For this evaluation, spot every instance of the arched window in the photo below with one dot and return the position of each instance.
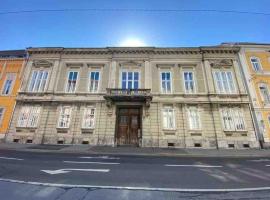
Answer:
(256, 64)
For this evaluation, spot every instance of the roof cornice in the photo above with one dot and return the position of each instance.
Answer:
(134, 50)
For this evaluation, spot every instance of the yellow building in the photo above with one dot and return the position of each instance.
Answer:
(255, 60)
(11, 71)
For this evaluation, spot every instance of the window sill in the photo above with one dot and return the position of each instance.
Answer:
(169, 130)
(88, 128)
(18, 127)
(235, 131)
(62, 128)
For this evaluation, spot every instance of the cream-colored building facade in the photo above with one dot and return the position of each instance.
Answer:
(140, 96)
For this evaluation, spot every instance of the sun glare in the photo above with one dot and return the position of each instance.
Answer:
(132, 42)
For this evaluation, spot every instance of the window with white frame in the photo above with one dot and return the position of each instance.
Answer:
(2, 110)
(10, 79)
(88, 118)
(189, 82)
(29, 116)
(64, 117)
(224, 82)
(130, 80)
(38, 81)
(94, 77)
(268, 119)
(168, 117)
(264, 93)
(72, 81)
(233, 119)
(194, 118)
(256, 64)
(166, 84)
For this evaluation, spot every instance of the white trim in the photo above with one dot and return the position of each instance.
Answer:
(12, 84)
(259, 63)
(217, 89)
(60, 113)
(31, 108)
(2, 117)
(189, 108)
(77, 81)
(194, 81)
(173, 117)
(83, 115)
(31, 76)
(128, 70)
(232, 111)
(261, 95)
(89, 80)
(171, 80)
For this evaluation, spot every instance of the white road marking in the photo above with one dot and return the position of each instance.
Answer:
(100, 163)
(100, 157)
(8, 158)
(267, 165)
(63, 171)
(260, 160)
(138, 188)
(201, 166)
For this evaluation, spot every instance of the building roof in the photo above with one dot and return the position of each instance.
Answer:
(13, 54)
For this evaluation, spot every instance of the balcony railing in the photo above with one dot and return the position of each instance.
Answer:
(128, 92)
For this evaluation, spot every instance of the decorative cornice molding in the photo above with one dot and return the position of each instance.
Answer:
(221, 62)
(42, 63)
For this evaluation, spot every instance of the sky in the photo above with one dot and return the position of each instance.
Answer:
(103, 29)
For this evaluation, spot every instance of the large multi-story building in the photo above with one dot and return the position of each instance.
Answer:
(255, 61)
(11, 69)
(147, 97)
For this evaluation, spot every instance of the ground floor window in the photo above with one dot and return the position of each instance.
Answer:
(168, 118)
(233, 119)
(88, 118)
(29, 116)
(2, 110)
(64, 117)
(194, 118)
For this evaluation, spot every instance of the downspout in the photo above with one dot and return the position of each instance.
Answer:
(210, 102)
(251, 107)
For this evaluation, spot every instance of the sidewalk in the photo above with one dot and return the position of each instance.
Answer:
(147, 151)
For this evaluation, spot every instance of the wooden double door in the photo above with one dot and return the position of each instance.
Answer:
(128, 126)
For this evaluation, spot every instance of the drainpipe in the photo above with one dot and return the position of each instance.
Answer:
(258, 134)
(211, 104)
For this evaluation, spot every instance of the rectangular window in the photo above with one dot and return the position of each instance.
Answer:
(72, 81)
(94, 81)
(168, 118)
(130, 80)
(166, 86)
(224, 82)
(29, 116)
(194, 118)
(38, 81)
(189, 83)
(10, 78)
(64, 117)
(233, 119)
(1, 114)
(88, 118)
(265, 93)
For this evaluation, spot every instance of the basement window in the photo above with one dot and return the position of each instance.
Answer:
(246, 145)
(85, 142)
(197, 145)
(29, 141)
(16, 140)
(231, 145)
(60, 142)
(171, 144)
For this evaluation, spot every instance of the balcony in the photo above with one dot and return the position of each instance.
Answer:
(138, 95)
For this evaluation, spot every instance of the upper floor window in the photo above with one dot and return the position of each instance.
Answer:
(189, 82)
(64, 117)
(166, 84)
(233, 119)
(194, 118)
(1, 114)
(256, 64)
(94, 81)
(29, 116)
(88, 118)
(224, 82)
(9, 82)
(264, 93)
(38, 81)
(168, 118)
(72, 81)
(130, 80)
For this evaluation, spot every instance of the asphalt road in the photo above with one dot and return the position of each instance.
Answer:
(133, 176)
